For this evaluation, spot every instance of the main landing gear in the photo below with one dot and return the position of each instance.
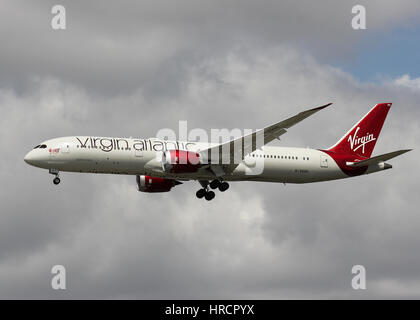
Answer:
(206, 193)
(55, 172)
(218, 184)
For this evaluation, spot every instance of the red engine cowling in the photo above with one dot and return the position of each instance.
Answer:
(154, 184)
(180, 161)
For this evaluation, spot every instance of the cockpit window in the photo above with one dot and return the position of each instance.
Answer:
(37, 146)
(42, 146)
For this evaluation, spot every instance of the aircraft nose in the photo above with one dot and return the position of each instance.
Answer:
(29, 158)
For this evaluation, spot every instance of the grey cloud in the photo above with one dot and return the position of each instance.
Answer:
(116, 47)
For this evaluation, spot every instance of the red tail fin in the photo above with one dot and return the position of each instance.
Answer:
(361, 139)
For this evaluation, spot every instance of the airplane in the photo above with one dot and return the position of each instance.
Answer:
(159, 165)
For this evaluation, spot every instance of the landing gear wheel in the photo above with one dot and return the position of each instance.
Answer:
(210, 195)
(215, 184)
(201, 193)
(223, 186)
(56, 180)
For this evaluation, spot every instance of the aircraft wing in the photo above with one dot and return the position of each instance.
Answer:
(228, 155)
(377, 159)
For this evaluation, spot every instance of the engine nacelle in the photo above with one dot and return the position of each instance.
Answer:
(154, 184)
(180, 161)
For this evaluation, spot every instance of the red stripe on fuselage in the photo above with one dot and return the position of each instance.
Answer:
(341, 159)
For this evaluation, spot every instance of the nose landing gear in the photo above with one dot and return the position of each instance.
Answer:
(55, 172)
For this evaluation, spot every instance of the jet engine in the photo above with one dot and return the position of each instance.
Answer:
(180, 161)
(154, 184)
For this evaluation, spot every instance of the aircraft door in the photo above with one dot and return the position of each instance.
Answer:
(324, 161)
(65, 147)
(138, 153)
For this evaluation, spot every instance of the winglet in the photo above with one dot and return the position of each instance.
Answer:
(321, 107)
(310, 112)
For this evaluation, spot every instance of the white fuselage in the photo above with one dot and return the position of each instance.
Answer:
(142, 157)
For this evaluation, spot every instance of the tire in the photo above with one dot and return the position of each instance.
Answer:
(223, 186)
(210, 195)
(56, 181)
(200, 193)
(215, 184)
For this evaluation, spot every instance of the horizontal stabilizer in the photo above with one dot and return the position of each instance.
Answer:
(377, 159)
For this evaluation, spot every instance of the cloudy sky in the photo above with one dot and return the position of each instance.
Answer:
(129, 69)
